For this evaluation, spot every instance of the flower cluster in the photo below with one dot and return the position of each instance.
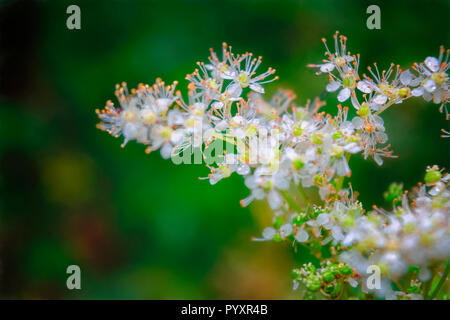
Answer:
(329, 279)
(383, 89)
(297, 156)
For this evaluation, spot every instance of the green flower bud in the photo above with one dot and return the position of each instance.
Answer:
(298, 130)
(243, 78)
(298, 163)
(337, 152)
(349, 81)
(277, 237)
(313, 283)
(278, 222)
(344, 269)
(334, 268)
(433, 176)
(364, 110)
(316, 138)
(403, 92)
(298, 220)
(318, 179)
(327, 276)
(394, 193)
(348, 222)
(337, 135)
(296, 274)
(310, 268)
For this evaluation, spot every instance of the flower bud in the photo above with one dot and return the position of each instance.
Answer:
(327, 276)
(403, 92)
(432, 176)
(298, 163)
(364, 110)
(298, 129)
(316, 138)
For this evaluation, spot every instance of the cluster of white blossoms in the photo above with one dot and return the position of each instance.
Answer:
(416, 233)
(296, 156)
(429, 79)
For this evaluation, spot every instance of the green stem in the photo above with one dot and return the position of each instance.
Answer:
(384, 108)
(441, 281)
(302, 194)
(291, 202)
(426, 287)
(390, 103)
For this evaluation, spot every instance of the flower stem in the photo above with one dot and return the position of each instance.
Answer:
(384, 108)
(290, 201)
(441, 281)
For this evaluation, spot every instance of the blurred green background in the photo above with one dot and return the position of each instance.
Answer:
(141, 227)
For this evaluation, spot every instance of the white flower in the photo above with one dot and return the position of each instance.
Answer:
(301, 235)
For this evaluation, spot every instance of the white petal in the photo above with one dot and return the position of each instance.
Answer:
(353, 147)
(378, 121)
(430, 85)
(243, 169)
(286, 229)
(228, 75)
(322, 219)
(427, 96)
(437, 98)
(327, 67)
(417, 92)
(217, 105)
(416, 81)
(268, 233)
(221, 125)
(130, 131)
(333, 86)
(166, 150)
(234, 89)
(355, 102)
(432, 63)
(163, 104)
(364, 86)
(352, 282)
(380, 99)
(301, 235)
(256, 87)
(382, 137)
(406, 77)
(175, 117)
(275, 200)
(378, 159)
(344, 94)
(177, 136)
(357, 122)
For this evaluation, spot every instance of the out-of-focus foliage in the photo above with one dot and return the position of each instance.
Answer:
(138, 226)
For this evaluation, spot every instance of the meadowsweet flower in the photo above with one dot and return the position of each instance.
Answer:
(434, 78)
(345, 65)
(296, 157)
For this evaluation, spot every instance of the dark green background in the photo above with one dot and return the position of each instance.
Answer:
(139, 226)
